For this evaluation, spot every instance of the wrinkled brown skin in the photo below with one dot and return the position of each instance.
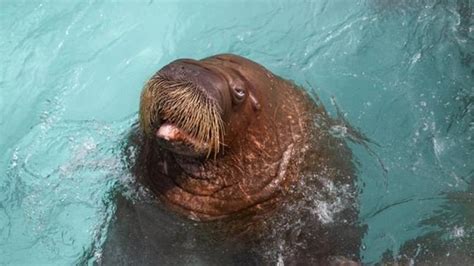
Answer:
(253, 195)
(257, 166)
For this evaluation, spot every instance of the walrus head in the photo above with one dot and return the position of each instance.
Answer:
(223, 137)
(190, 106)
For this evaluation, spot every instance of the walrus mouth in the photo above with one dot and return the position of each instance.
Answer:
(180, 113)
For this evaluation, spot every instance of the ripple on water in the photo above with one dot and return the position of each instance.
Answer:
(57, 185)
(401, 70)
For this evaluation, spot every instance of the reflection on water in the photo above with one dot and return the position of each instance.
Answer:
(449, 240)
(401, 71)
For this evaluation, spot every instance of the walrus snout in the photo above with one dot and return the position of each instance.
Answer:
(183, 105)
(205, 79)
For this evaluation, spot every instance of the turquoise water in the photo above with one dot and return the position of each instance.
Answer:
(72, 71)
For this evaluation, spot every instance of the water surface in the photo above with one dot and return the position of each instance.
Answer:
(71, 74)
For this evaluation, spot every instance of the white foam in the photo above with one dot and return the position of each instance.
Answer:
(330, 201)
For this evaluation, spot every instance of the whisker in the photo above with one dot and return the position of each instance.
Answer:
(184, 105)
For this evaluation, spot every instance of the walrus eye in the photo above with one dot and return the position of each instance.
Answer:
(239, 94)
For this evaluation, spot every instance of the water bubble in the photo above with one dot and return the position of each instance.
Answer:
(338, 131)
(458, 232)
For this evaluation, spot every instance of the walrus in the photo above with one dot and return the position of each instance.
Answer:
(244, 168)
